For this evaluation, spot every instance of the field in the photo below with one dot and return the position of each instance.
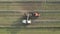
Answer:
(11, 15)
(29, 31)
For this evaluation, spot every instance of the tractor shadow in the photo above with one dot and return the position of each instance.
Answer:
(16, 26)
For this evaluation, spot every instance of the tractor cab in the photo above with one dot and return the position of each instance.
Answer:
(36, 14)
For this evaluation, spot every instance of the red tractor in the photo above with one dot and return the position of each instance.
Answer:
(35, 14)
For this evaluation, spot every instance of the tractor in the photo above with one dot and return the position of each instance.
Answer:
(28, 16)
